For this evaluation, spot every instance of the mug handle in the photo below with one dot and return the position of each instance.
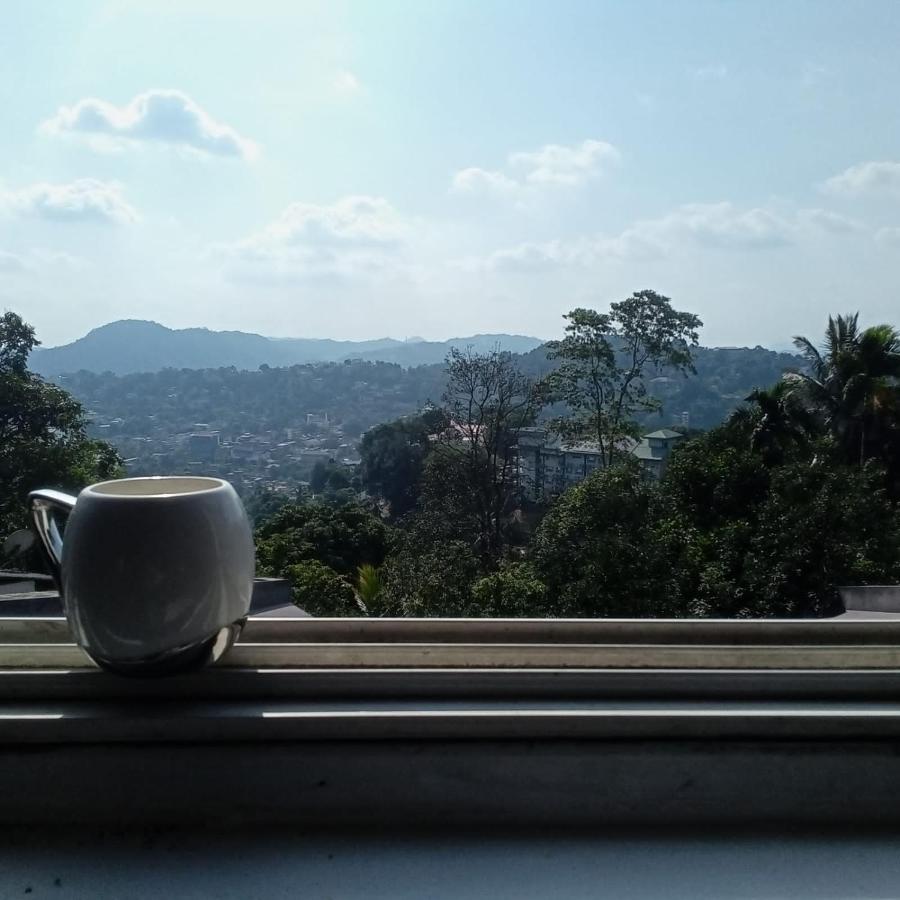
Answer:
(42, 505)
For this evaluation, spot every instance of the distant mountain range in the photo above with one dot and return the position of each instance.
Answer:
(132, 345)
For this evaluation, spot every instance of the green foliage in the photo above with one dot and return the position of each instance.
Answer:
(715, 478)
(448, 507)
(746, 537)
(820, 527)
(322, 549)
(369, 588)
(262, 504)
(430, 578)
(853, 387)
(320, 591)
(17, 340)
(777, 421)
(604, 363)
(338, 479)
(340, 537)
(392, 456)
(514, 591)
(487, 401)
(319, 477)
(595, 550)
(42, 432)
(728, 532)
(766, 514)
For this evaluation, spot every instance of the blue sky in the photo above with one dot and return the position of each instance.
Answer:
(358, 169)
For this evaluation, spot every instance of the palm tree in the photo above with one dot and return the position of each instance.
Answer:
(368, 587)
(853, 384)
(775, 420)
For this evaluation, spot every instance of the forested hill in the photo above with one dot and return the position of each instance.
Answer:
(136, 346)
(361, 393)
(725, 376)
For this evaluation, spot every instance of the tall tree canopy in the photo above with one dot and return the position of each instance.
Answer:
(392, 457)
(604, 363)
(42, 431)
(852, 385)
(487, 402)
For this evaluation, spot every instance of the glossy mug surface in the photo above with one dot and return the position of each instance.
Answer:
(155, 573)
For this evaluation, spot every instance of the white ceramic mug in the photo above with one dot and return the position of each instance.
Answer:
(156, 574)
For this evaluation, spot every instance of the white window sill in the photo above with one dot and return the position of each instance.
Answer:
(437, 721)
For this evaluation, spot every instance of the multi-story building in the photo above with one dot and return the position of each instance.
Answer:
(548, 465)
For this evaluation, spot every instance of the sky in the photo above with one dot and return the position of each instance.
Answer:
(433, 168)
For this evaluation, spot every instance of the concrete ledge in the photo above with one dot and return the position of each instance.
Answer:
(223, 722)
(410, 723)
(808, 685)
(446, 784)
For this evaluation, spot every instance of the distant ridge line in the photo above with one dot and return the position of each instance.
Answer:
(136, 345)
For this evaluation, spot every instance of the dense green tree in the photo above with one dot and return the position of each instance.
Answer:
(819, 527)
(447, 499)
(424, 577)
(43, 442)
(340, 537)
(715, 477)
(391, 459)
(434, 560)
(853, 386)
(595, 550)
(487, 402)
(318, 478)
(746, 536)
(262, 504)
(338, 479)
(777, 421)
(515, 590)
(320, 591)
(604, 363)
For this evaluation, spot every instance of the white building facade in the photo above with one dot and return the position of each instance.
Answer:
(548, 465)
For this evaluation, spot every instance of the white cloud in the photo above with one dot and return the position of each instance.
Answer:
(713, 225)
(552, 165)
(84, 200)
(478, 181)
(718, 225)
(357, 236)
(828, 221)
(867, 177)
(157, 116)
(556, 164)
(533, 257)
(631, 244)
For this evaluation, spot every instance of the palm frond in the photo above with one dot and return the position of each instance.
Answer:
(810, 353)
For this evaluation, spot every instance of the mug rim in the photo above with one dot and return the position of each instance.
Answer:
(193, 486)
